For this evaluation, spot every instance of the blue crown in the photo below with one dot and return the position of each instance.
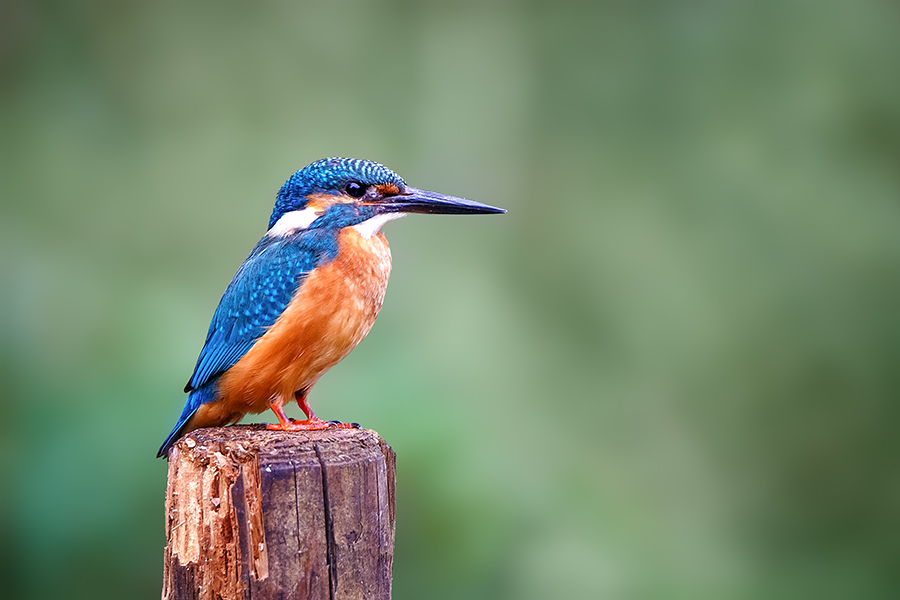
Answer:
(329, 176)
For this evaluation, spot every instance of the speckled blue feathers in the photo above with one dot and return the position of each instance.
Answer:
(257, 295)
(276, 268)
(328, 176)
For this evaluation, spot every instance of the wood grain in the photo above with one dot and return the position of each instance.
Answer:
(257, 514)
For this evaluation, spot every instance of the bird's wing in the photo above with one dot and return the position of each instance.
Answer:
(256, 297)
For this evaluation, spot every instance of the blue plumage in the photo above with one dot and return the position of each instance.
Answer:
(257, 295)
(329, 175)
(263, 287)
(347, 192)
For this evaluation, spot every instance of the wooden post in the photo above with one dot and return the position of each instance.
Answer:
(257, 514)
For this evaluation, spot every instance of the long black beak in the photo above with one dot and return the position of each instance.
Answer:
(413, 200)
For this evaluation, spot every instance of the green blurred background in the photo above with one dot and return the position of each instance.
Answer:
(671, 371)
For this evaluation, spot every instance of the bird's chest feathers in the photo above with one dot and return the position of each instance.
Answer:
(353, 285)
(332, 311)
(337, 304)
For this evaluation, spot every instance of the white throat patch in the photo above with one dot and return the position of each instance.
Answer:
(372, 226)
(291, 221)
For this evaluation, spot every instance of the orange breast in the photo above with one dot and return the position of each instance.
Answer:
(331, 313)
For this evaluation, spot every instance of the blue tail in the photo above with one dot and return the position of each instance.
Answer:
(196, 398)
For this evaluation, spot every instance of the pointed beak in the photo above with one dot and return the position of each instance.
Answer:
(414, 200)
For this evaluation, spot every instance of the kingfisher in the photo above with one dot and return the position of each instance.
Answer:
(306, 296)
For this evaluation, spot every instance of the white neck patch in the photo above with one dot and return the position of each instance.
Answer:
(290, 221)
(372, 226)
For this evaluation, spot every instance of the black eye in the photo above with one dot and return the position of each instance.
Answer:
(355, 190)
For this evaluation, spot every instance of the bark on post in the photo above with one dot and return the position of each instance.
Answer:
(257, 514)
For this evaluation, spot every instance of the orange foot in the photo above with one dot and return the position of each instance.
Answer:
(310, 425)
(313, 423)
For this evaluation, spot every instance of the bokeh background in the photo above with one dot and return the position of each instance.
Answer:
(670, 371)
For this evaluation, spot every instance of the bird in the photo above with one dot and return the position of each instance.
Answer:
(307, 294)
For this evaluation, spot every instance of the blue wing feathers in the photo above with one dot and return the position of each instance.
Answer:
(256, 297)
(259, 292)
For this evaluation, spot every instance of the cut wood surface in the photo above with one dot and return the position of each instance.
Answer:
(257, 515)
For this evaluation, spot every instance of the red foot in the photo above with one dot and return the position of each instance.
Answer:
(308, 425)
(313, 423)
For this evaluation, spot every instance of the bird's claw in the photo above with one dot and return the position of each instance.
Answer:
(340, 425)
(311, 425)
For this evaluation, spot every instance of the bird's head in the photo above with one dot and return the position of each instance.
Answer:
(340, 192)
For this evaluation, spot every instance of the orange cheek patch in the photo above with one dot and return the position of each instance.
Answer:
(321, 202)
(388, 189)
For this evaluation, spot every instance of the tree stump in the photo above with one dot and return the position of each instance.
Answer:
(257, 514)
